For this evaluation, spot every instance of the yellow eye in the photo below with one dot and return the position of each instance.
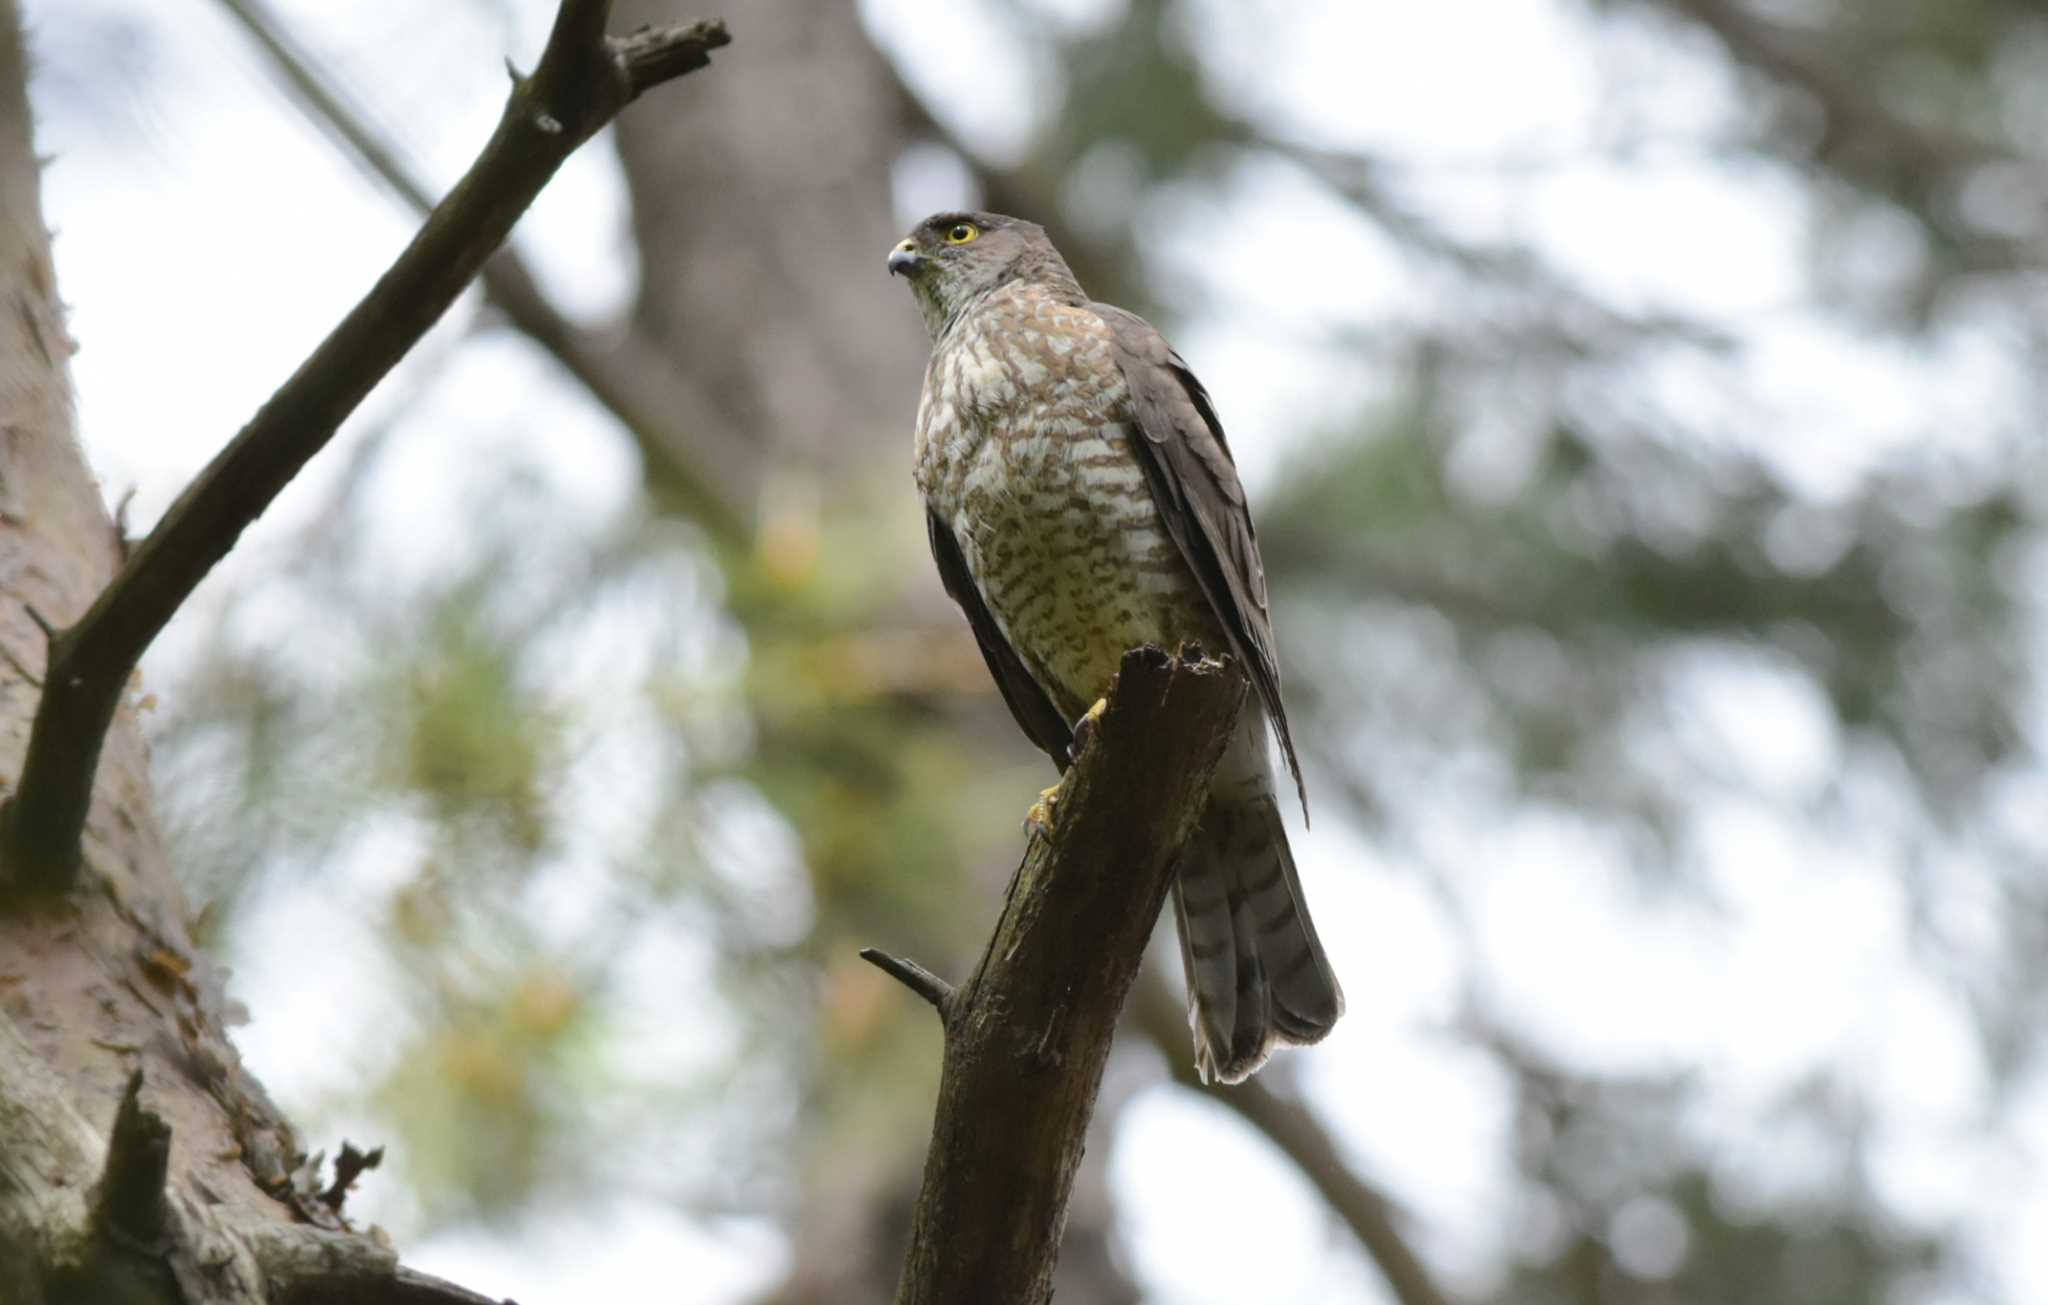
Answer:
(961, 232)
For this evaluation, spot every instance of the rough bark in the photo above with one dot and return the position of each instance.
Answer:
(1028, 1034)
(139, 1162)
(103, 982)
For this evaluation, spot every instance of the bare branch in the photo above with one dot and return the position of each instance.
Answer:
(1290, 1125)
(582, 82)
(650, 58)
(912, 976)
(326, 106)
(694, 456)
(579, 25)
(1027, 1035)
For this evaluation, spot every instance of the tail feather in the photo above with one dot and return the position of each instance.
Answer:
(1257, 975)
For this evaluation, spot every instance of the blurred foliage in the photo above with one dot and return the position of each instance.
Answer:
(1562, 600)
(1622, 1211)
(1498, 581)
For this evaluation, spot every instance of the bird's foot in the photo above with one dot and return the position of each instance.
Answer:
(1084, 729)
(1038, 819)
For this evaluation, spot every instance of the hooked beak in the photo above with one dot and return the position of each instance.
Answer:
(903, 260)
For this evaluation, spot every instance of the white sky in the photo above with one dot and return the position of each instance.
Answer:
(198, 282)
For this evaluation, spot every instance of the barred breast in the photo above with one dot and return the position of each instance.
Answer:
(1023, 448)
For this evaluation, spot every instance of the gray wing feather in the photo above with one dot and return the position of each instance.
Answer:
(1035, 713)
(1194, 484)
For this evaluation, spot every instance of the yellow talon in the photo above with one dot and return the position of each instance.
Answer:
(1039, 817)
(1084, 729)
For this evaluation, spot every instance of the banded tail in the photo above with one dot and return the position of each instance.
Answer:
(1257, 975)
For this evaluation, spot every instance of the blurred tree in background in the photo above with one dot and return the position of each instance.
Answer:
(1643, 402)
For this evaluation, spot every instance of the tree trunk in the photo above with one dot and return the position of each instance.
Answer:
(771, 196)
(139, 1163)
(102, 983)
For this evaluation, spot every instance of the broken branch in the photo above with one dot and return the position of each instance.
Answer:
(1028, 1034)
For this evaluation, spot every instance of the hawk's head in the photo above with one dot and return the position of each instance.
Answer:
(953, 259)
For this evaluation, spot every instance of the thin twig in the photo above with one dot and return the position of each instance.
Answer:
(581, 83)
(912, 976)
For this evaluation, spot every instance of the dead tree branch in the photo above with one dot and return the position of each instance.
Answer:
(1028, 1033)
(583, 81)
(911, 975)
(694, 456)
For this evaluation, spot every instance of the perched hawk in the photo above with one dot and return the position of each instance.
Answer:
(1081, 501)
